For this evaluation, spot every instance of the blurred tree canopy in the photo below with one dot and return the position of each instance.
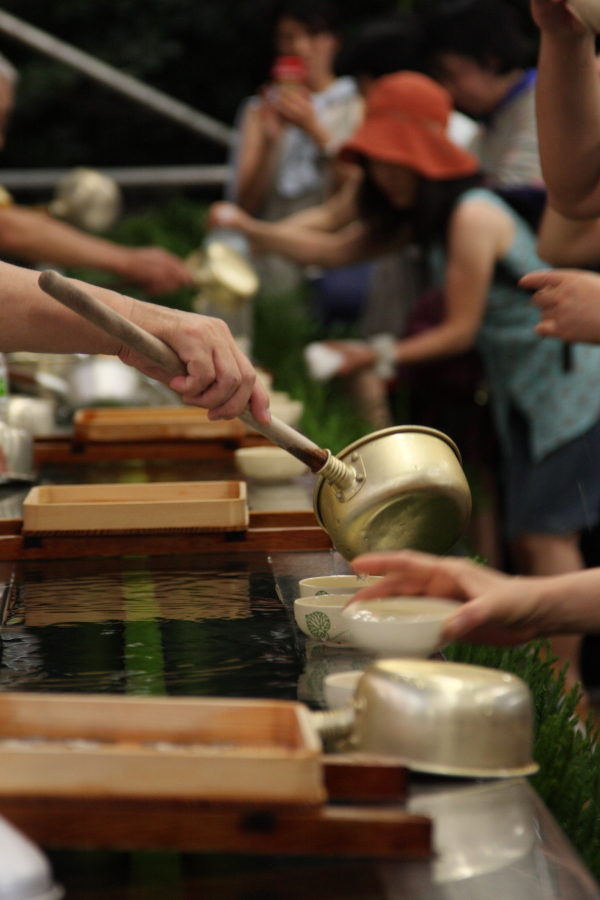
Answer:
(208, 53)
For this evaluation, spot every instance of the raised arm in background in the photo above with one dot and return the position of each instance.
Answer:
(568, 110)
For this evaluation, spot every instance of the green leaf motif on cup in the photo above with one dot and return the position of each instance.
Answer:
(318, 624)
(321, 594)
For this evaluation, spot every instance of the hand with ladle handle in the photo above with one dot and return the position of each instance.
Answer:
(127, 332)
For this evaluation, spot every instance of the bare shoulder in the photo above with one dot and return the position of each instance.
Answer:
(479, 220)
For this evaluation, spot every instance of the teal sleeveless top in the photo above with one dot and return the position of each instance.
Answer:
(524, 370)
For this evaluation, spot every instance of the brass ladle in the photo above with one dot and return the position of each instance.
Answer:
(400, 487)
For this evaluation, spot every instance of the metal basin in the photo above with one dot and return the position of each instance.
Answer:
(410, 492)
(446, 718)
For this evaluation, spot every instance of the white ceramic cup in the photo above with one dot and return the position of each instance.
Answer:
(399, 626)
(321, 618)
(335, 584)
(339, 688)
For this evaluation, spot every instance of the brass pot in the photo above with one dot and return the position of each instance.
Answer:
(88, 199)
(439, 717)
(408, 491)
(224, 277)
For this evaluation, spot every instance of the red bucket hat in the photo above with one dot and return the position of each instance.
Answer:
(406, 122)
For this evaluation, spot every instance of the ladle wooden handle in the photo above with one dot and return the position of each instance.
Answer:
(155, 350)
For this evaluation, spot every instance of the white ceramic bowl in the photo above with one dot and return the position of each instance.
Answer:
(335, 584)
(399, 626)
(321, 618)
(340, 687)
(268, 464)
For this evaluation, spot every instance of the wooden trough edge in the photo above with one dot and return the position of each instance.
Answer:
(338, 831)
(274, 532)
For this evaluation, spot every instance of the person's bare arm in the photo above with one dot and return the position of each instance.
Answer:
(260, 136)
(568, 111)
(498, 609)
(305, 245)
(35, 237)
(568, 242)
(219, 378)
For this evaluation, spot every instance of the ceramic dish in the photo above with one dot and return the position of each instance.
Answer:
(321, 618)
(399, 626)
(268, 464)
(335, 584)
(339, 688)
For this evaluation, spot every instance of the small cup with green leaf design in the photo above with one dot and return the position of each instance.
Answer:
(321, 618)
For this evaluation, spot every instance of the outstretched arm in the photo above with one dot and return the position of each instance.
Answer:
(35, 237)
(219, 378)
(498, 609)
(568, 110)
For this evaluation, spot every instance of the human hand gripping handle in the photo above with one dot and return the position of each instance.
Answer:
(152, 348)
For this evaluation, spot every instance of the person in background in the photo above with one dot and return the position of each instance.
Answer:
(288, 134)
(420, 186)
(568, 119)
(219, 377)
(480, 53)
(34, 237)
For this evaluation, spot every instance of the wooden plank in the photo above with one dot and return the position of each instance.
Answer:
(268, 540)
(67, 451)
(156, 423)
(157, 506)
(345, 831)
(364, 779)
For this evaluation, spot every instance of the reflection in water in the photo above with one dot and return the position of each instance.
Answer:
(176, 625)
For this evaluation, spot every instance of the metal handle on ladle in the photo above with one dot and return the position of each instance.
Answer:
(110, 321)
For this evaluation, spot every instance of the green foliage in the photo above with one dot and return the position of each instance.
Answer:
(179, 226)
(568, 754)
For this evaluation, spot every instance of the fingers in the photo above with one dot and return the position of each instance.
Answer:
(411, 572)
(535, 281)
(259, 403)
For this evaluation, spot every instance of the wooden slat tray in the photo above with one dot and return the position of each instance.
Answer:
(152, 423)
(242, 776)
(153, 507)
(247, 751)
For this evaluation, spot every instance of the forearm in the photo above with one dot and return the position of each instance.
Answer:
(35, 237)
(31, 320)
(568, 242)
(447, 339)
(309, 247)
(568, 116)
(569, 603)
(257, 171)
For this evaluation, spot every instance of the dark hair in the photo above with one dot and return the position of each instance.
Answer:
(427, 220)
(488, 31)
(385, 46)
(317, 16)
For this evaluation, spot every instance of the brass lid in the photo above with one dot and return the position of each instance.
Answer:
(223, 266)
